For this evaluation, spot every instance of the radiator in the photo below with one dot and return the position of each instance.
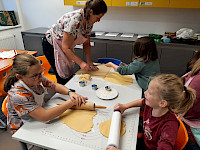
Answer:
(7, 42)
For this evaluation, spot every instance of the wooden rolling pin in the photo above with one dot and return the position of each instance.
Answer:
(86, 106)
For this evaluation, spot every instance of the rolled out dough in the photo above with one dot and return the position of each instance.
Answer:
(105, 128)
(79, 120)
(119, 79)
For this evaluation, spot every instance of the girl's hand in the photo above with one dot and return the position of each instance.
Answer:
(120, 107)
(110, 64)
(77, 99)
(111, 148)
(84, 66)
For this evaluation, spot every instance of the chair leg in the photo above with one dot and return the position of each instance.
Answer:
(23, 146)
(4, 125)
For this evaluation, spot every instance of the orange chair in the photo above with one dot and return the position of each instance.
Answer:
(3, 74)
(47, 66)
(182, 137)
(4, 107)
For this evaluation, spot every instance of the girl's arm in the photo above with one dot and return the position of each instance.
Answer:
(110, 64)
(49, 114)
(123, 107)
(67, 42)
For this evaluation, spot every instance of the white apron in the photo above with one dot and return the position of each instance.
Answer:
(38, 98)
(64, 64)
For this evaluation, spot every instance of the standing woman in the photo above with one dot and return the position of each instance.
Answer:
(73, 28)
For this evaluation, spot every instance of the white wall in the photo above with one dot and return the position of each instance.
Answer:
(1, 5)
(11, 5)
(43, 13)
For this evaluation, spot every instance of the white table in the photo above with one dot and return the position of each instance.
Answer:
(55, 135)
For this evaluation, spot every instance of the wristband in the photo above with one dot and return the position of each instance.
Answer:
(70, 90)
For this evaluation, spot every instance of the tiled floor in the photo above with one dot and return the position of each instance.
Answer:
(7, 143)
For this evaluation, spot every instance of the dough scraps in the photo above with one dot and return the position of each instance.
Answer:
(79, 120)
(85, 78)
(119, 79)
(105, 128)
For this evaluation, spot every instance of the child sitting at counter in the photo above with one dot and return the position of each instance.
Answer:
(26, 87)
(145, 63)
(165, 97)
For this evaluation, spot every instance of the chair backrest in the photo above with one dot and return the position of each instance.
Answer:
(3, 74)
(106, 60)
(182, 137)
(4, 107)
(45, 64)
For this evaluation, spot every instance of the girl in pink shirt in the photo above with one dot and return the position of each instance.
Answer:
(165, 97)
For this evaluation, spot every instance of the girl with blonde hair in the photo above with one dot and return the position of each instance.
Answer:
(165, 97)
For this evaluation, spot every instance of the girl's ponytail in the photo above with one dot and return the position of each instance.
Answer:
(187, 102)
(10, 80)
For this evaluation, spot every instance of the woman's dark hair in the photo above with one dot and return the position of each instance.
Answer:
(21, 65)
(145, 48)
(97, 6)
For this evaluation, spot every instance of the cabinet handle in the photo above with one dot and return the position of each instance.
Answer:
(92, 44)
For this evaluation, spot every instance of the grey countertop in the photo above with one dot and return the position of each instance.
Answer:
(42, 31)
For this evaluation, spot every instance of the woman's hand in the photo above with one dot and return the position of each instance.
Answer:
(120, 107)
(95, 68)
(77, 99)
(85, 66)
(111, 148)
(92, 66)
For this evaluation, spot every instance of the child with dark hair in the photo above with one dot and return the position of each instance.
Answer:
(145, 63)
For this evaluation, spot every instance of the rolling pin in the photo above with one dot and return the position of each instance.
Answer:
(114, 134)
(86, 106)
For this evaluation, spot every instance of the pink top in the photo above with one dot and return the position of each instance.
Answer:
(194, 113)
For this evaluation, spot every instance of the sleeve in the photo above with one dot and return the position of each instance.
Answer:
(134, 67)
(23, 103)
(143, 102)
(168, 135)
(71, 26)
(48, 83)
